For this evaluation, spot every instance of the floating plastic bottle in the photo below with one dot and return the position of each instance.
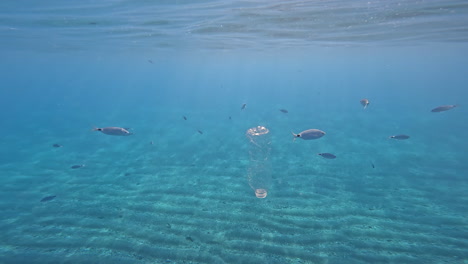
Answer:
(259, 171)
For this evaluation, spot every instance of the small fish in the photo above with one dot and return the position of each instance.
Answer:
(309, 134)
(199, 131)
(184, 117)
(150, 61)
(284, 111)
(364, 102)
(57, 146)
(327, 155)
(77, 166)
(372, 164)
(243, 106)
(114, 131)
(48, 198)
(400, 137)
(189, 239)
(443, 108)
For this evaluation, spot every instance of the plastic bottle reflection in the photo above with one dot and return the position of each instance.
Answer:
(259, 172)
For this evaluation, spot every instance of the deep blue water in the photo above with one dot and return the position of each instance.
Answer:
(179, 191)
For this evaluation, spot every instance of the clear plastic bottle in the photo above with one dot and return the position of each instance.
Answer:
(259, 171)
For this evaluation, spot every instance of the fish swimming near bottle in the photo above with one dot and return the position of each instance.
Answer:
(443, 108)
(114, 131)
(309, 134)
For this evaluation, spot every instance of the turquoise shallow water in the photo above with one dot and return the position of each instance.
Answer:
(179, 191)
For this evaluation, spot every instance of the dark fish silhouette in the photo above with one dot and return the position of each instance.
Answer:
(309, 134)
(114, 131)
(77, 166)
(57, 146)
(185, 118)
(372, 165)
(364, 102)
(443, 108)
(150, 61)
(199, 131)
(327, 155)
(284, 111)
(400, 137)
(243, 106)
(48, 198)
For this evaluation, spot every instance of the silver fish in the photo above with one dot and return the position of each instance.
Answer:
(114, 131)
(443, 108)
(327, 155)
(400, 137)
(364, 102)
(309, 134)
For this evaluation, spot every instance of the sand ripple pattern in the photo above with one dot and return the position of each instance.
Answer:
(188, 214)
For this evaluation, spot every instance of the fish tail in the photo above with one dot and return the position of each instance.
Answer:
(294, 136)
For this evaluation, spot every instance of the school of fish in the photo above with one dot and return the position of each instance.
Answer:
(308, 134)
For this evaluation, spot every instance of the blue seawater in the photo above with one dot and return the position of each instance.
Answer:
(180, 190)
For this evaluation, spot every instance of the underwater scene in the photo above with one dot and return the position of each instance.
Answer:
(318, 132)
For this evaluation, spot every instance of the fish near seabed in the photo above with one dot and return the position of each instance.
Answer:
(400, 137)
(327, 155)
(48, 198)
(364, 102)
(114, 131)
(309, 134)
(77, 166)
(443, 108)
